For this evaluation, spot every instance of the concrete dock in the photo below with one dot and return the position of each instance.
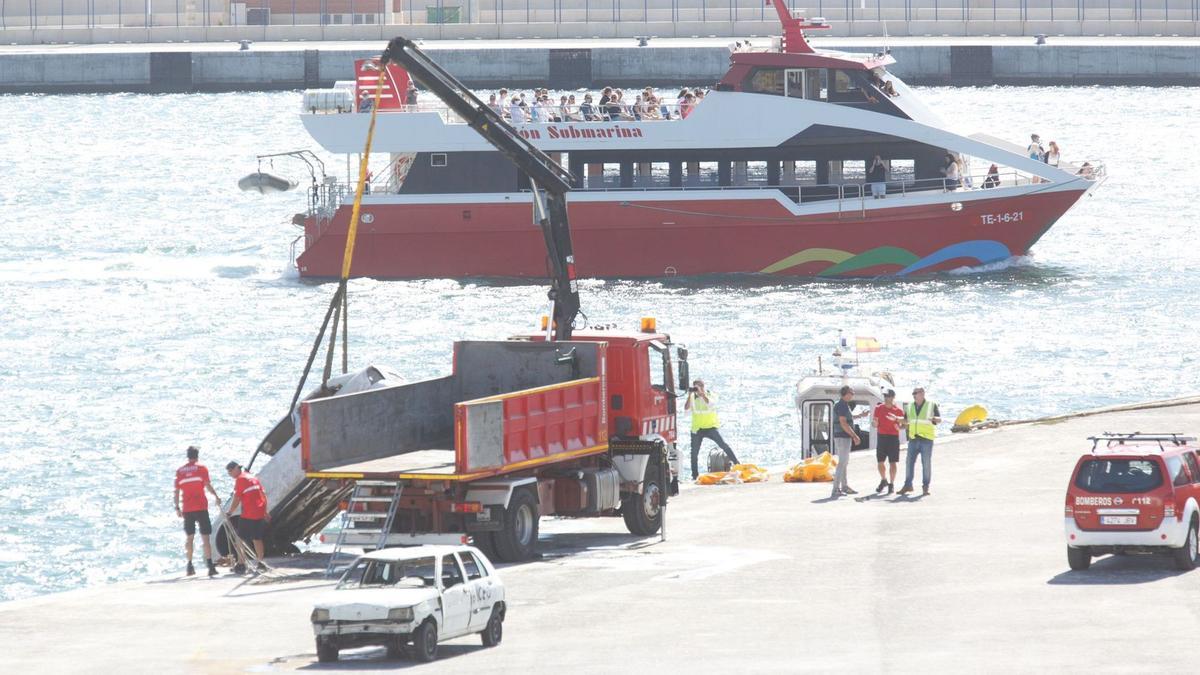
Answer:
(768, 577)
(574, 63)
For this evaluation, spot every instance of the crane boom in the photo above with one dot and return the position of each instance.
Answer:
(548, 180)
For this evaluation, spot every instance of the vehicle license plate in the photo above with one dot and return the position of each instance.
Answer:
(1118, 520)
(484, 516)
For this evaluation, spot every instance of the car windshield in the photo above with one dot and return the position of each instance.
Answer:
(413, 572)
(1119, 475)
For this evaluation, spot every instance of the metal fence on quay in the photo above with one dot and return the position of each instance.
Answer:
(337, 19)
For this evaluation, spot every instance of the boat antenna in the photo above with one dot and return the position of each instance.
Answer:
(338, 310)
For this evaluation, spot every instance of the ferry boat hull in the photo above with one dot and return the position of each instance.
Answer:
(493, 235)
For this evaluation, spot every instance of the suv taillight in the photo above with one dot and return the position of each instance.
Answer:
(1070, 510)
(1168, 509)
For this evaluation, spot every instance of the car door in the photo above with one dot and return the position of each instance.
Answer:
(456, 598)
(482, 589)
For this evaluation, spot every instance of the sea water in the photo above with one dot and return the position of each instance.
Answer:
(148, 305)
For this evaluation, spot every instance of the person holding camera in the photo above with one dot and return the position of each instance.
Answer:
(703, 404)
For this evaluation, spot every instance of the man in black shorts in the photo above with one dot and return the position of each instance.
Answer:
(191, 480)
(888, 417)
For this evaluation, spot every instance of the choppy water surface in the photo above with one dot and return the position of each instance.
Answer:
(148, 305)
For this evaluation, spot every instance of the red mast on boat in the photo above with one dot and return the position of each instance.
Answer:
(794, 27)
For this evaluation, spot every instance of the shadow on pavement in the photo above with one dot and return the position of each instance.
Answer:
(1117, 570)
(375, 658)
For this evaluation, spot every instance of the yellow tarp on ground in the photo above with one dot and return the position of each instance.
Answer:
(741, 473)
(812, 470)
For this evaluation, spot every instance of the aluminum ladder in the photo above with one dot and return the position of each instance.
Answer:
(367, 492)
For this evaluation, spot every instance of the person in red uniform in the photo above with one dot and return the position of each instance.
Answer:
(191, 480)
(888, 417)
(248, 493)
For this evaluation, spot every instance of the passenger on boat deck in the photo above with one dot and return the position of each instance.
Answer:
(952, 170)
(877, 177)
(587, 110)
(502, 97)
(494, 105)
(1052, 154)
(1035, 149)
(366, 103)
(576, 116)
(993, 177)
(686, 104)
(889, 89)
(411, 97)
(514, 111)
(602, 104)
(535, 111)
(1086, 170)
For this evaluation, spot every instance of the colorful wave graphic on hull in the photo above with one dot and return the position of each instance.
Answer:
(983, 251)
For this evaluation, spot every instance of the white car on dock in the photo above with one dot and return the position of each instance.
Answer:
(409, 600)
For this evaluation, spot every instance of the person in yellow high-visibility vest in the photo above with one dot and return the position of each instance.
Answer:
(703, 404)
(922, 417)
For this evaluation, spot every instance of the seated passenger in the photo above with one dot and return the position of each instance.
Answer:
(587, 110)
(686, 104)
(889, 89)
(515, 113)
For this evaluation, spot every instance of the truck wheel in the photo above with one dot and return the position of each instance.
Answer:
(1079, 558)
(517, 540)
(494, 631)
(643, 513)
(1185, 558)
(327, 651)
(425, 642)
(486, 543)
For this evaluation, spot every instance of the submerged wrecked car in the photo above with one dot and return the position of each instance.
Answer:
(410, 599)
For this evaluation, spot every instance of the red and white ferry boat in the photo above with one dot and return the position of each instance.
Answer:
(768, 174)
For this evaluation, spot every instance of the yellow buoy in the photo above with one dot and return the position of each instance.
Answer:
(969, 418)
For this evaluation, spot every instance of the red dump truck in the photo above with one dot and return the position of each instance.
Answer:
(521, 428)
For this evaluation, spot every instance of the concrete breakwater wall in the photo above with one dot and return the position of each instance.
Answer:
(184, 68)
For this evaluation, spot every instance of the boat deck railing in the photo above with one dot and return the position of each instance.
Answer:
(851, 197)
(547, 114)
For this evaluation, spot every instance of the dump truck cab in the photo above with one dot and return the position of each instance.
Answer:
(642, 392)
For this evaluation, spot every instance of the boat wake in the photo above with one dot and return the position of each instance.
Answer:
(1015, 262)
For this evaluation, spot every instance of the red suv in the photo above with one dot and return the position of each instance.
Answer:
(1135, 493)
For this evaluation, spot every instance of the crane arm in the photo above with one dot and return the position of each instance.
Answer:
(549, 181)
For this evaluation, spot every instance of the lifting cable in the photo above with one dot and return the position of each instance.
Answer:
(339, 305)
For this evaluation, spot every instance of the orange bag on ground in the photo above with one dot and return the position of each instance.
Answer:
(740, 473)
(812, 470)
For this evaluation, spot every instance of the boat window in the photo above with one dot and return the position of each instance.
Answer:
(820, 426)
(767, 82)
(437, 159)
(854, 170)
(841, 82)
(902, 170)
(612, 175)
(818, 85)
(794, 84)
(756, 173)
(799, 172)
(699, 174)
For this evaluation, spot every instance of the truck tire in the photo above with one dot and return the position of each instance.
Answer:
(494, 631)
(327, 651)
(1185, 557)
(517, 539)
(1079, 558)
(424, 641)
(643, 513)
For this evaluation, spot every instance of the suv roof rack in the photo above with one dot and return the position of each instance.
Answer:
(1174, 438)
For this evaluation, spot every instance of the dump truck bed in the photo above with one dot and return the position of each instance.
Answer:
(527, 404)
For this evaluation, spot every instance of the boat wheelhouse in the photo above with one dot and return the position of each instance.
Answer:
(770, 173)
